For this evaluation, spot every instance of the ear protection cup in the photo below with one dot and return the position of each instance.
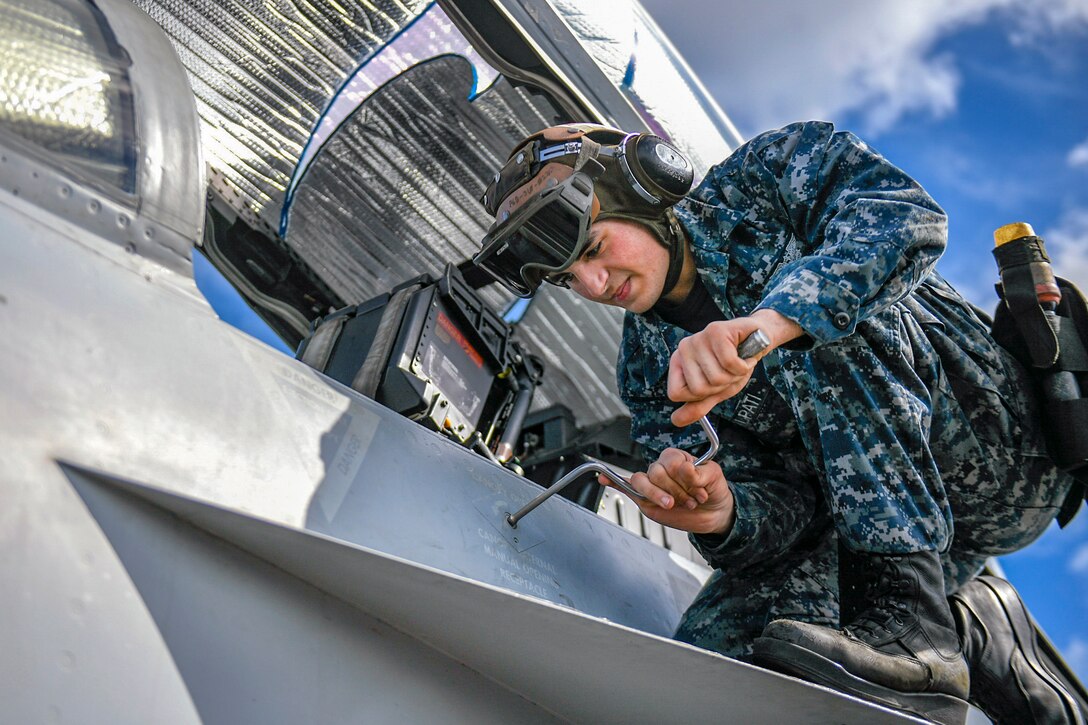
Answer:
(657, 171)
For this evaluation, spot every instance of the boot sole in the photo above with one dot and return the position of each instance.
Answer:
(804, 663)
(1024, 632)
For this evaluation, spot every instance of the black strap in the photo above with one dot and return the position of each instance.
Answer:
(1077, 494)
(1072, 416)
(369, 377)
(1068, 421)
(1021, 326)
(676, 244)
(1017, 289)
(1074, 355)
(1074, 330)
(318, 347)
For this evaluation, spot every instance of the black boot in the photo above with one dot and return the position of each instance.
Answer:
(898, 646)
(1009, 680)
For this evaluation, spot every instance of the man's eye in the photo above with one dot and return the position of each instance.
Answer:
(593, 251)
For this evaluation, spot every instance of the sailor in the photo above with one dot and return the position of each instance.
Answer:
(875, 454)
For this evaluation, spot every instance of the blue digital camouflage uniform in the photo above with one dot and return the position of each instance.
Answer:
(896, 423)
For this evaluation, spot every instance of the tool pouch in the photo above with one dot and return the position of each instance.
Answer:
(1054, 348)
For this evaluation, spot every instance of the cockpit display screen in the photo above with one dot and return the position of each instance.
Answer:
(454, 366)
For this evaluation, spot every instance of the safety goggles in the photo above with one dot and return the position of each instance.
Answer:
(540, 231)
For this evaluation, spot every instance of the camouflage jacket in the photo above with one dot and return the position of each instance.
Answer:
(809, 222)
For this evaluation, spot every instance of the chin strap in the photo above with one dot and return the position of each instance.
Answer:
(675, 245)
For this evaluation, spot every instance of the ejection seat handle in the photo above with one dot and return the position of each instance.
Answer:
(754, 344)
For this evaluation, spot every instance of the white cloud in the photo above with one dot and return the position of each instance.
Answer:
(1049, 17)
(1075, 655)
(1078, 563)
(970, 175)
(777, 61)
(1078, 156)
(1067, 244)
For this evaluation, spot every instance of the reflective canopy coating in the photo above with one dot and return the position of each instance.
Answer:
(65, 88)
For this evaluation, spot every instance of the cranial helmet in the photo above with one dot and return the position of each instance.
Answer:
(560, 180)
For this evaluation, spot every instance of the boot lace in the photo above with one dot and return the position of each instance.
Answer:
(885, 593)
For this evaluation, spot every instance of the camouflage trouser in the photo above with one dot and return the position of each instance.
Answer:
(923, 435)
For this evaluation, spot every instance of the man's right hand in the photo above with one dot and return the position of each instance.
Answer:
(683, 496)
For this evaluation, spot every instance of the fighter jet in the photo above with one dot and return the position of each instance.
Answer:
(199, 528)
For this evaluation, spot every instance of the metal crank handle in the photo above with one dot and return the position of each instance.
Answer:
(595, 466)
(754, 344)
(587, 467)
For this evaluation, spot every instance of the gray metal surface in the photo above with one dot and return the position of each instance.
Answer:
(122, 370)
(562, 63)
(170, 168)
(179, 400)
(642, 66)
(580, 668)
(216, 635)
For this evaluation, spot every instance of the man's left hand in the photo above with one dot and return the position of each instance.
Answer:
(684, 496)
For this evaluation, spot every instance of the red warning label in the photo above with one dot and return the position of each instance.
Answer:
(445, 324)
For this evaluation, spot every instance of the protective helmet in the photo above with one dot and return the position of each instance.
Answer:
(559, 180)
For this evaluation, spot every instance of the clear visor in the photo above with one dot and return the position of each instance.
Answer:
(543, 236)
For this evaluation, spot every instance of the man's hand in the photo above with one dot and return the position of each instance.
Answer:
(705, 369)
(683, 496)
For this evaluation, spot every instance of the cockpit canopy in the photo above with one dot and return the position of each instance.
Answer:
(99, 125)
(347, 145)
(66, 90)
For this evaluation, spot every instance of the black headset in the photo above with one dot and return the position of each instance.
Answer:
(655, 169)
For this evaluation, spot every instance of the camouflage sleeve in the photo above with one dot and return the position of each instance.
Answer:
(775, 498)
(772, 516)
(867, 233)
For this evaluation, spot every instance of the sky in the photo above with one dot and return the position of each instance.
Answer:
(985, 102)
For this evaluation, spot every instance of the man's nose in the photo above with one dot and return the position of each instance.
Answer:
(591, 279)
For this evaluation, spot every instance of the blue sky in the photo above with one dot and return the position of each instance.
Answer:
(229, 305)
(983, 101)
